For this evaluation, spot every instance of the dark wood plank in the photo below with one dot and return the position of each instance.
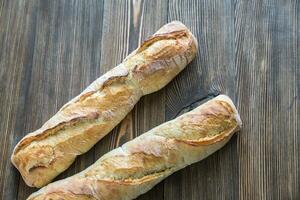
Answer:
(126, 24)
(150, 110)
(267, 58)
(212, 71)
(115, 38)
(17, 35)
(51, 50)
(51, 53)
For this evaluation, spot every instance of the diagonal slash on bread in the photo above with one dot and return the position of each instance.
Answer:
(134, 168)
(43, 154)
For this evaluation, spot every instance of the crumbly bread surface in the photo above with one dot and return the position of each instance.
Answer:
(138, 165)
(43, 154)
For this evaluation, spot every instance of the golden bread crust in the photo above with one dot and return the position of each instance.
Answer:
(41, 155)
(135, 167)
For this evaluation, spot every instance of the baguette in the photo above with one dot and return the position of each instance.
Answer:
(43, 154)
(134, 168)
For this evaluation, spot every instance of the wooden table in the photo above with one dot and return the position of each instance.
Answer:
(51, 50)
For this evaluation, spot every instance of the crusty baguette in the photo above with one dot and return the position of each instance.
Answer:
(43, 154)
(135, 167)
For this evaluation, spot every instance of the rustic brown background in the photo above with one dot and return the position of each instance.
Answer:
(51, 50)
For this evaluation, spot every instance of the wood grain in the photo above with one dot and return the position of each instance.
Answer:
(268, 97)
(212, 71)
(51, 50)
